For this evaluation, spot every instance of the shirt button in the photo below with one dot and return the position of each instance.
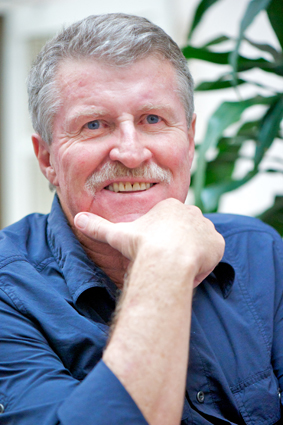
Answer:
(200, 396)
(1, 408)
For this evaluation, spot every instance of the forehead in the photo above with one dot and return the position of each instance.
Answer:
(77, 77)
(89, 89)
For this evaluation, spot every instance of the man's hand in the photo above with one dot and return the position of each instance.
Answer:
(176, 230)
(172, 248)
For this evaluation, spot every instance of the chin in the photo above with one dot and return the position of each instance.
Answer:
(126, 218)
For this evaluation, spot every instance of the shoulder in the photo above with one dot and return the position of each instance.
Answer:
(251, 246)
(25, 239)
(233, 224)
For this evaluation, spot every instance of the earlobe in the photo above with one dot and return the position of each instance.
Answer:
(42, 152)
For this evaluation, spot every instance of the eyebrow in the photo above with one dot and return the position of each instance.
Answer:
(162, 107)
(100, 112)
(84, 113)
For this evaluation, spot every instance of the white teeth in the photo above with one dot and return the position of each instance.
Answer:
(128, 187)
(136, 186)
(121, 187)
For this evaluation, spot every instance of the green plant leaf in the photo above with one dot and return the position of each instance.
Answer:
(254, 7)
(213, 178)
(268, 129)
(224, 163)
(222, 58)
(225, 82)
(226, 114)
(274, 215)
(266, 48)
(218, 40)
(249, 129)
(211, 195)
(191, 52)
(274, 12)
(272, 170)
(203, 6)
(219, 84)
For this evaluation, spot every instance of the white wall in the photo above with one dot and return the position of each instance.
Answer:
(24, 188)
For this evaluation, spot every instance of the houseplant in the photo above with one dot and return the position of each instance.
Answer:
(215, 177)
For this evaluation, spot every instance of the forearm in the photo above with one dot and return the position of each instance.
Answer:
(149, 347)
(172, 248)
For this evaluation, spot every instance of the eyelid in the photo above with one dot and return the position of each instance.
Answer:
(160, 119)
(94, 120)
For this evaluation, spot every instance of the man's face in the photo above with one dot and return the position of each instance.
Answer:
(120, 140)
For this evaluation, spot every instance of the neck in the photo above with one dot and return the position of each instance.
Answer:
(111, 261)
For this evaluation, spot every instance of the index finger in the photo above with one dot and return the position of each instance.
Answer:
(93, 226)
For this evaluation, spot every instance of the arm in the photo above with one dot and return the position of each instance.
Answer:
(36, 387)
(172, 248)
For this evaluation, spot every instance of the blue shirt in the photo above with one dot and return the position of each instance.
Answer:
(55, 307)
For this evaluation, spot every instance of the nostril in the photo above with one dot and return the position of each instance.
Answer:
(131, 158)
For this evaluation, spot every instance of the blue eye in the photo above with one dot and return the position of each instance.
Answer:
(93, 125)
(152, 119)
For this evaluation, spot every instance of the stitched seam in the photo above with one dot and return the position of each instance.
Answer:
(207, 375)
(275, 243)
(255, 316)
(247, 230)
(14, 300)
(12, 259)
(245, 415)
(251, 380)
(250, 305)
(41, 266)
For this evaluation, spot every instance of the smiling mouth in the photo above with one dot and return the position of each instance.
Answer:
(128, 187)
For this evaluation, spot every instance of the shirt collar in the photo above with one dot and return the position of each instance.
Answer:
(224, 276)
(224, 272)
(72, 258)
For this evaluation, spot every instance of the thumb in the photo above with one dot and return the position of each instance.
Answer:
(93, 226)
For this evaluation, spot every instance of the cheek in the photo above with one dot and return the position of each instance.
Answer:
(77, 165)
(176, 157)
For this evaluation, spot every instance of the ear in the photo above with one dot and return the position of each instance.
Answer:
(42, 152)
(191, 137)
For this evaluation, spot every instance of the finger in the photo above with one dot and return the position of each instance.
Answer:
(93, 226)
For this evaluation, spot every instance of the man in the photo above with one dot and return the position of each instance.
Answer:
(111, 104)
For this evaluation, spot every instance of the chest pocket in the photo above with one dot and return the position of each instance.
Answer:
(258, 399)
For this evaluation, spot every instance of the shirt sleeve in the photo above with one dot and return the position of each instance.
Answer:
(36, 388)
(117, 407)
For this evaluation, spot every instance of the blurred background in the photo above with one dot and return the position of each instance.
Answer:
(25, 25)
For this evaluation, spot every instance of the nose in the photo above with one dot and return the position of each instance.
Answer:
(129, 148)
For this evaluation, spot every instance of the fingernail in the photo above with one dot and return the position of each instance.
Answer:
(82, 220)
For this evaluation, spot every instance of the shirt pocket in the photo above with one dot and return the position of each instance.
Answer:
(258, 399)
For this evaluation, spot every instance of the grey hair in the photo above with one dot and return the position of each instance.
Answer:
(116, 39)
